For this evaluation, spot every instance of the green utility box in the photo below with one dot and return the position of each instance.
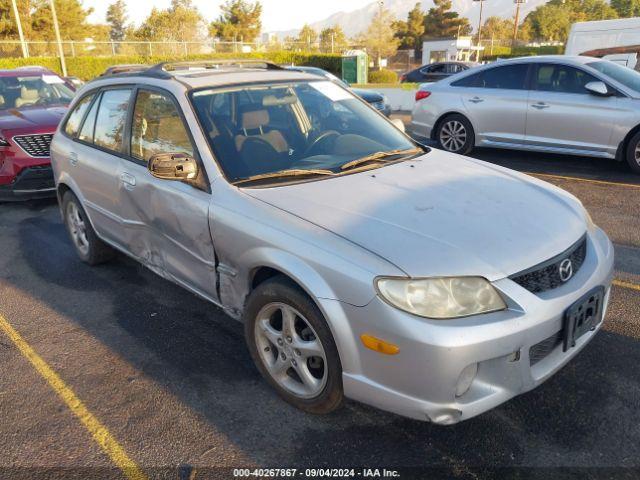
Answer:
(355, 65)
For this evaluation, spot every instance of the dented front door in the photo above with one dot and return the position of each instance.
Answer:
(167, 227)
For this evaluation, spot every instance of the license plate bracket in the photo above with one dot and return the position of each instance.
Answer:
(582, 316)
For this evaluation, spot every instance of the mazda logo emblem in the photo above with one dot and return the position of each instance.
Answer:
(565, 270)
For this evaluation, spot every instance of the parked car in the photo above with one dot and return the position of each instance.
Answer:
(573, 105)
(434, 72)
(377, 100)
(362, 265)
(32, 103)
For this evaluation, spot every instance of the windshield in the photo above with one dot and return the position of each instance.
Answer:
(295, 128)
(627, 77)
(18, 92)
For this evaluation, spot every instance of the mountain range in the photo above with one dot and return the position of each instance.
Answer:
(356, 21)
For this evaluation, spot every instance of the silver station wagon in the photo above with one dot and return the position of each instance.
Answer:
(362, 264)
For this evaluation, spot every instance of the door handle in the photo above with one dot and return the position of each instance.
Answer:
(73, 158)
(476, 100)
(540, 106)
(128, 180)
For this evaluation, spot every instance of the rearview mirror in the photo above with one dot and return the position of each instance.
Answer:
(399, 124)
(597, 88)
(173, 166)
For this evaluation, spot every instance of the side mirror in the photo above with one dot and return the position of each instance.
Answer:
(173, 166)
(399, 124)
(597, 88)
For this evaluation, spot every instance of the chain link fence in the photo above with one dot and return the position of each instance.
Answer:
(14, 48)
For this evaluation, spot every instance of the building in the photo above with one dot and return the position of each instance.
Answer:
(449, 49)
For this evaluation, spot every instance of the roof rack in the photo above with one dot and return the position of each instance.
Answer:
(215, 65)
(125, 68)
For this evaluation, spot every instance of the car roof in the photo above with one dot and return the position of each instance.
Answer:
(567, 59)
(197, 77)
(25, 71)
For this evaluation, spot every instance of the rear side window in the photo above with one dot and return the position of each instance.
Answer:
(86, 132)
(506, 77)
(111, 119)
(157, 127)
(561, 79)
(75, 119)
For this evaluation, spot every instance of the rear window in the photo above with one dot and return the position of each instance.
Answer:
(75, 119)
(507, 77)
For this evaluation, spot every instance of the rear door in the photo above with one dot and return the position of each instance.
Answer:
(94, 160)
(496, 101)
(562, 114)
(166, 221)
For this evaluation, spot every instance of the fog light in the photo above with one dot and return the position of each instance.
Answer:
(466, 378)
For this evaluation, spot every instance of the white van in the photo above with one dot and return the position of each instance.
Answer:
(602, 34)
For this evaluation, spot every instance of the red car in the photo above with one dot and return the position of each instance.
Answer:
(33, 100)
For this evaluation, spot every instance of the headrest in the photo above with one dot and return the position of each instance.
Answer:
(28, 93)
(254, 119)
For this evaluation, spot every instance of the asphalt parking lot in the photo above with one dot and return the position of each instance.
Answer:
(139, 377)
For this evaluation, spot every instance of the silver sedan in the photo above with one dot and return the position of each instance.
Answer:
(559, 104)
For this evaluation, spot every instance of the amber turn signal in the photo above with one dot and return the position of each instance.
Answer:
(378, 345)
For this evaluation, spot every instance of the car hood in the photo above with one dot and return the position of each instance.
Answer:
(370, 96)
(31, 117)
(440, 215)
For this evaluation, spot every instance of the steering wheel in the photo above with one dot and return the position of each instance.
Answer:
(323, 137)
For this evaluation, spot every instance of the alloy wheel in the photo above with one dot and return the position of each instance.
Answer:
(453, 136)
(637, 153)
(291, 350)
(77, 228)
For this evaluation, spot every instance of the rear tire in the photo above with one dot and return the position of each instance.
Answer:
(633, 153)
(88, 246)
(455, 134)
(292, 346)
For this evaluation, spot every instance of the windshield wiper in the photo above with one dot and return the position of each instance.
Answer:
(374, 157)
(294, 172)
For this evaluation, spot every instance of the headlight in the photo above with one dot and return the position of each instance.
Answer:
(441, 298)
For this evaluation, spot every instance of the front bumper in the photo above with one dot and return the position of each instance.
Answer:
(31, 183)
(420, 381)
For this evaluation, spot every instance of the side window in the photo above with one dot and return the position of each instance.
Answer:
(111, 118)
(561, 79)
(468, 81)
(73, 122)
(157, 127)
(509, 77)
(86, 133)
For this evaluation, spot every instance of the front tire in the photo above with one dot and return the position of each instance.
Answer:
(455, 134)
(633, 153)
(292, 346)
(87, 245)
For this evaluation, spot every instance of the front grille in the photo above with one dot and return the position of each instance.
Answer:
(546, 276)
(541, 349)
(34, 145)
(34, 178)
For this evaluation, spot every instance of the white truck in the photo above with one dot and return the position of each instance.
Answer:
(616, 40)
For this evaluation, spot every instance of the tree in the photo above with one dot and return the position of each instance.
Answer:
(498, 28)
(117, 20)
(333, 39)
(409, 32)
(307, 36)
(626, 8)
(8, 26)
(181, 22)
(442, 22)
(553, 20)
(240, 20)
(72, 19)
(379, 38)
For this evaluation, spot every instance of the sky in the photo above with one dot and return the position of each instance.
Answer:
(276, 14)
